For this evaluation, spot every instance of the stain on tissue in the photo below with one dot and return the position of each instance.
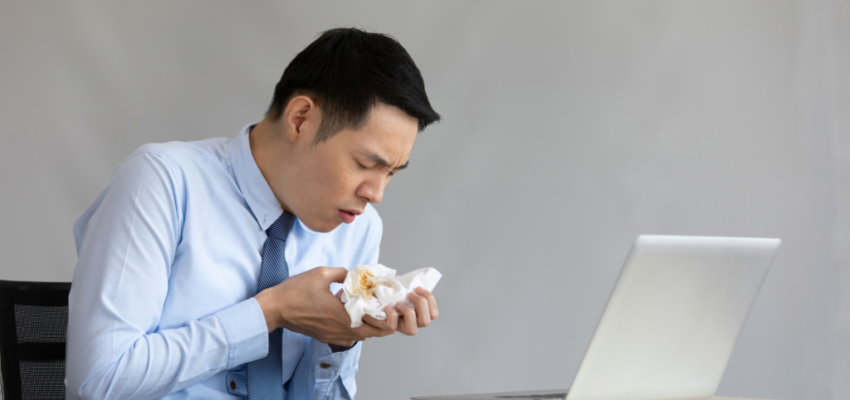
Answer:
(368, 288)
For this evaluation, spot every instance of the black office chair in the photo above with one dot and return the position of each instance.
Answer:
(33, 324)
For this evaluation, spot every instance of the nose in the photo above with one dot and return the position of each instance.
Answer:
(372, 190)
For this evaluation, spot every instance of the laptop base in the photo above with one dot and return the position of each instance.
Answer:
(553, 394)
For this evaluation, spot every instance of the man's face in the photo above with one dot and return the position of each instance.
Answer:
(334, 180)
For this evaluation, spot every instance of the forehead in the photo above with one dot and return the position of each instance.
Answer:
(389, 132)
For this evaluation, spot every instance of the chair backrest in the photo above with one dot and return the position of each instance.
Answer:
(33, 324)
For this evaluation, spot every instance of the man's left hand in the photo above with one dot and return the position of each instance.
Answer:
(406, 319)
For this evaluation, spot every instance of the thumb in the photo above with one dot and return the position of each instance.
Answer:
(335, 274)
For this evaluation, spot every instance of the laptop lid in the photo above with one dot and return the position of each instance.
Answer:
(673, 317)
(671, 321)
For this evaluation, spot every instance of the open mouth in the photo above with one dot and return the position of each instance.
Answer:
(347, 216)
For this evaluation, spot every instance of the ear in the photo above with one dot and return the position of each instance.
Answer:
(301, 118)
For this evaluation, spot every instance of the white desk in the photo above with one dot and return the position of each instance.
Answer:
(713, 398)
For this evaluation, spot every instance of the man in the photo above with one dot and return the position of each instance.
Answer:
(199, 263)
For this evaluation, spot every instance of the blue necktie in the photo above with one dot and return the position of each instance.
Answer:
(263, 376)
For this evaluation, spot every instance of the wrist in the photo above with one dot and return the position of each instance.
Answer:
(270, 310)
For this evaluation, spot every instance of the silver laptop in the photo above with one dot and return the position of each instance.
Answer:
(671, 322)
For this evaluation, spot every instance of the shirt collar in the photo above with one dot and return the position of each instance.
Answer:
(258, 194)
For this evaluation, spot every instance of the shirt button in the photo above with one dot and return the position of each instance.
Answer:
(325, 365)
(233, 385)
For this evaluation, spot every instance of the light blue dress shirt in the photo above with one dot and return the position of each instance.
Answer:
(169, 256)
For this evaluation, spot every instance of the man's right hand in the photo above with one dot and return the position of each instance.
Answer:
(304, 304)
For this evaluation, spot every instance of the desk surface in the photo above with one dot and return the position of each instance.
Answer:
(712, 398)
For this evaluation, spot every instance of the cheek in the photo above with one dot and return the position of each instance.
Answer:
(335, 183)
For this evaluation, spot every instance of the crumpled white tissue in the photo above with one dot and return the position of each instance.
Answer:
(368, 288)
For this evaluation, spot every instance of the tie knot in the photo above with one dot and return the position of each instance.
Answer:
(280, 228)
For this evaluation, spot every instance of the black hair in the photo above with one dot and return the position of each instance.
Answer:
(347, 71)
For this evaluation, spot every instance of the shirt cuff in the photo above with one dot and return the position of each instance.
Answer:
(330, 364)
(335, 369)
(246, 330)
(337, 349)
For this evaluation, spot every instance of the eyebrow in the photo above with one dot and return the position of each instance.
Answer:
(378, 159)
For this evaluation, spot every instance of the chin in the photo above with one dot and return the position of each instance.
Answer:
(322, 226)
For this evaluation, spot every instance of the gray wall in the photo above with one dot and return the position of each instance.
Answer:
(569, 128)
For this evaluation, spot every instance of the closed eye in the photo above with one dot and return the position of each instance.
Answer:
(391, 173)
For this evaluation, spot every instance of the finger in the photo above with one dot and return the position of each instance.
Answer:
(339, 295)
(432, 302)
(423, 316)
(407, 322)
(383, 325)
(377, 323)
(392, 318)
(333, 274)
(367, 331)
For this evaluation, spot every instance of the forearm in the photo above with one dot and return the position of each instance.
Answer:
(156, 364)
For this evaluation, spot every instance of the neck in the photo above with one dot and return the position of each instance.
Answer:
(268, 148)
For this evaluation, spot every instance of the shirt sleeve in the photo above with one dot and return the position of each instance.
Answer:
(126, 243)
